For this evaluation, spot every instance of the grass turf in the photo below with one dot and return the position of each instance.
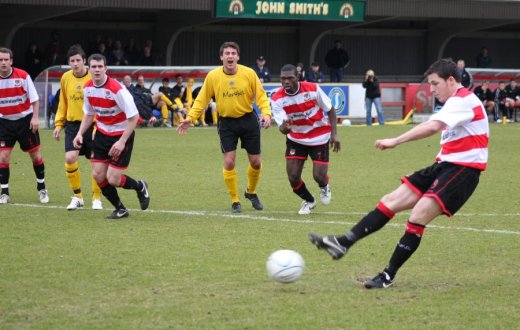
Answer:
(188, 263)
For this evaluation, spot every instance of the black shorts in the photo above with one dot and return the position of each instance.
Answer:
(245, 128)
(101, 147)
(19, 130)
(449, 184)
(318, 154)
(71, 130)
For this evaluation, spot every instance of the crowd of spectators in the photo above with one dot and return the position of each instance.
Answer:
(503, 103)
(117, 52)
(170, 105)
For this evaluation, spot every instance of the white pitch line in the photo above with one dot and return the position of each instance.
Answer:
(260, 217)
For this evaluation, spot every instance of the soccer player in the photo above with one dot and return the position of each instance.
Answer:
(441, 188)
(235, 88)
(306, 116)
(69, 115)
(19, 106)
(116, 118)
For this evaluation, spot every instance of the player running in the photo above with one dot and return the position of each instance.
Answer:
(306, 116)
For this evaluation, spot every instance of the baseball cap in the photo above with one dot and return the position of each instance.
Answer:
(260, 58)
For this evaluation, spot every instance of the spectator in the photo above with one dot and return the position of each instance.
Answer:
(109, 42)
(512, 99)
(131, 51)
(501, 101)
(487, 97)
(93, 46)
(33, 60)
(53, 49)
(179, 97)
(373, 96)
(146, 57)
(165, 88)
(314, 74)
(117, 55)
(102, 49)
(177, 108)
(465, 76)
(261, 70)
(483, 59)
(154, 100)
(337, 60)
(301, 75)
(54, 101)
(145, 111)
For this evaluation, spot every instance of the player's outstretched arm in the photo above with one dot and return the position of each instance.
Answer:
(423, 130)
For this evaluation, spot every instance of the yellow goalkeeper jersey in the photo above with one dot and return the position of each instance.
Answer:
(70, 107)
(234, 94)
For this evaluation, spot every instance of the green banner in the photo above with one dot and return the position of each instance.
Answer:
(327, 10)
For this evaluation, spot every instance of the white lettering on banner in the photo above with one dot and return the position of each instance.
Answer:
(295, 8)
(268, 7)
(318, 9)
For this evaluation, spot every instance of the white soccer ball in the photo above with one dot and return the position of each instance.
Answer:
(346, 122)
(285, 266)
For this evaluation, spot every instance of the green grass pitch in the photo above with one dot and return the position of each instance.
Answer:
(188, 263)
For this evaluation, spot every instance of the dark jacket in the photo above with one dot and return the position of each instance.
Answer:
(484, 95)
(312, 76)
(337, 58)
(263, 73)
(372, 88)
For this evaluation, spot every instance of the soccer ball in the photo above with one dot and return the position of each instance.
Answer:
(285, 266)
(346, 122)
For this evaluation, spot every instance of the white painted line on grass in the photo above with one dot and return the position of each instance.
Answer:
(260, 217)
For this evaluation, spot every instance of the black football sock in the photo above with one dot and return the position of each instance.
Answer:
(372, 222)
(39, 170)
(4, 178)
(110, 192)
(405, 247)
(129, 183)
(302, 191)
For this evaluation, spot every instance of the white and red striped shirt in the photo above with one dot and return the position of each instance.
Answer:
(307, 108)
(17, 93)
(111, 103)
(464, 141)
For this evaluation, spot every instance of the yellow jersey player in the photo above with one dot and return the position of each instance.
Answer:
(235, 88)
(69, 116)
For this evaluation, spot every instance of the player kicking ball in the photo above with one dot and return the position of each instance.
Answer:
(304, 113)
(441, 188)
